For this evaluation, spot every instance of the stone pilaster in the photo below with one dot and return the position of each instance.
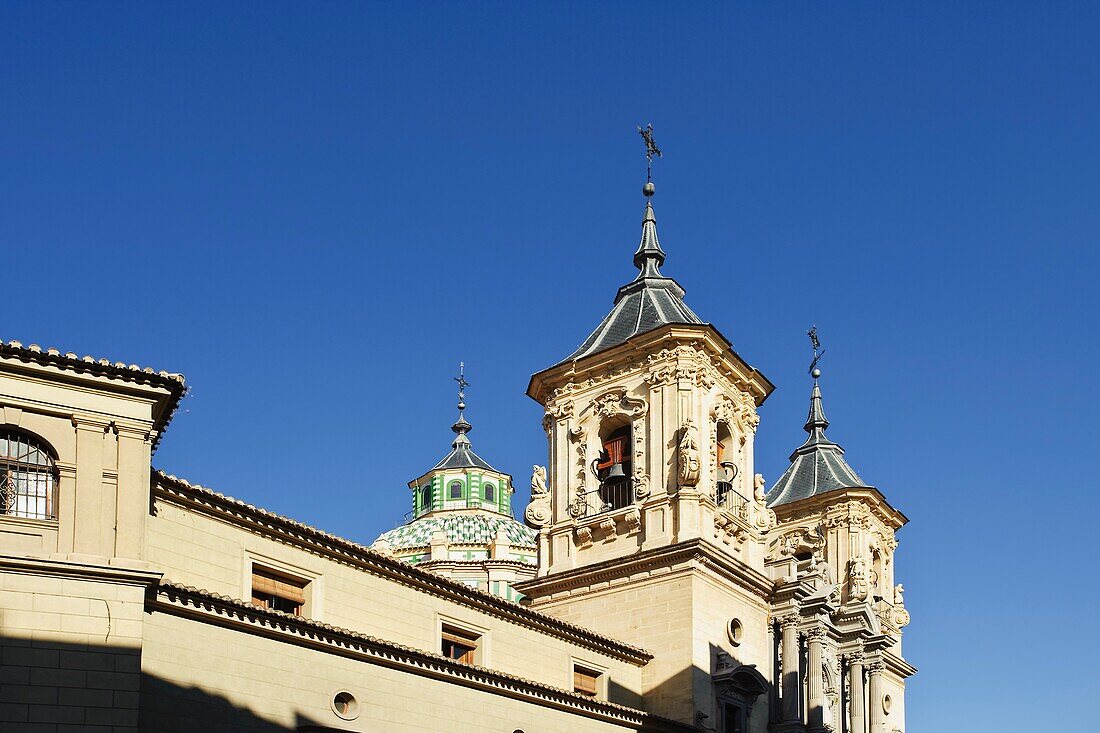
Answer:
(874, 696)
(815, 693)
(857, 705)
(791, 713)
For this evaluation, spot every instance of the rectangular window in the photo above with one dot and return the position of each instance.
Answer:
(586, 681)
(278, 591)
(460, 644)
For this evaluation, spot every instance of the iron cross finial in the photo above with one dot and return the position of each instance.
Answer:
(651, 149)
(818, 352)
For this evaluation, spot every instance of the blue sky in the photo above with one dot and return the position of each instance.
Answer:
(315, 211)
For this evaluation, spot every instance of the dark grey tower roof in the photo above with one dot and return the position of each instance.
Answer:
(817, 466)
(651, 300)
(462, 455)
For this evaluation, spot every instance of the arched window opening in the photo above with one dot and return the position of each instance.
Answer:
(613, 469)
(724, 493)
(489, 492)
(28, 476)
(455, 490)
(426, 498)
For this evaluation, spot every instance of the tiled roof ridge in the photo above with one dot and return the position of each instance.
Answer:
(427, 578)
(105, 367)
(436, 659)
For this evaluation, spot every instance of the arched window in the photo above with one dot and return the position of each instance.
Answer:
(426, 498)
(28, 476)
(489, 492)
(613, 468)
(456, 490)
(727, 467)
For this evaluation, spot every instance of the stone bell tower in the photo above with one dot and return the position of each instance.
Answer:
(651, 520)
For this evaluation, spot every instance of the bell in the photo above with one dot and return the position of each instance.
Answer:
(615, 472)
(731, 470)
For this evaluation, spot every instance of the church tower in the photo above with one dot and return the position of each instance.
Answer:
(651, 520)
(763, 611)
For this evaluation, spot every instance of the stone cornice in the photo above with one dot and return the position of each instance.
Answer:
(289, 531)
(628, 569)
(241, 616)
(897, 665)
(78, 570)
(824, 503)
(704, 336)
(79, 368)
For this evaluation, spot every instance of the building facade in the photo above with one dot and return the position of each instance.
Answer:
(657, 586)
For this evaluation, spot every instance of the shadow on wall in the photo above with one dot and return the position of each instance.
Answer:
(730, 697)
(46, 684)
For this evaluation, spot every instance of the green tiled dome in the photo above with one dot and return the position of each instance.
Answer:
(461, 529)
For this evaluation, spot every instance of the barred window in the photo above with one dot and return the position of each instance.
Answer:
(28, 477)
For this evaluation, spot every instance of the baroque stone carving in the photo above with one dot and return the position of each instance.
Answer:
(763, 517)
(632, 520)
(618, 402)
(689, 455)
(537, 513)
(584, 536)
(900, 615)
(801, 539)
(858, 587)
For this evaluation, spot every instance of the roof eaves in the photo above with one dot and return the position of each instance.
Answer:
(173, 383)
(305, 534)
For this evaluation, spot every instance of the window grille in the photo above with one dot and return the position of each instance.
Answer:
(28, 477)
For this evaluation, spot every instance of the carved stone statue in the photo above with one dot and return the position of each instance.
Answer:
(538, 480)
(758, 488)
(898, 599)
(689, 455)
(537, 513)
(857, 579)
(763, 518)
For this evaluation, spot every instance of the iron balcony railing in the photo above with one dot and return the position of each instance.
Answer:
(726, 497)
(608, 497)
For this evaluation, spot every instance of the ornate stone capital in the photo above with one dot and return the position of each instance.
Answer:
(817, 633)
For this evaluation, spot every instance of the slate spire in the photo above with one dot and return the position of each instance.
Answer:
(649, 257)
(649, 301)
(818, 465)
(462, 455)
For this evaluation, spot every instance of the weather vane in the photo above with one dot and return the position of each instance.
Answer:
(818, 352)
(462, 385)
(651, 149)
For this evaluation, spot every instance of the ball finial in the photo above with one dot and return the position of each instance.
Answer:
(815, 373)
(648, 188)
